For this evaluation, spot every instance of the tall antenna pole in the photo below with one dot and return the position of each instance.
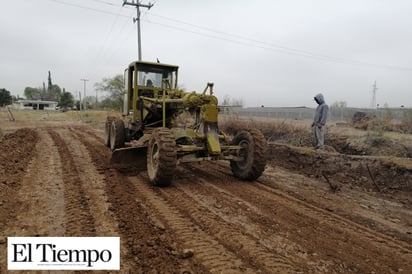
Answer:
(373, 103)
(137, 19)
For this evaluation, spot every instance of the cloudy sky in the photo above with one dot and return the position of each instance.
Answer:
(264, 52)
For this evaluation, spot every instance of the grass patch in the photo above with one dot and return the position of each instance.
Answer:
(376, 136)
(406, 124)
(88, 117)
(281, 131)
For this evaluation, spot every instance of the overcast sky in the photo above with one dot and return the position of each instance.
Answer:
(272, 53)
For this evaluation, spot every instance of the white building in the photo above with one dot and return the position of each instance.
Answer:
(36, 104)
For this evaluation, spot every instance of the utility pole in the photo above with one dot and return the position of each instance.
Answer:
(84, 88)
(80, 101)
(373, 103)
(137, 19)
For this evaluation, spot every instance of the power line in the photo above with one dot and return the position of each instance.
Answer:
(147, 11)
(246, 38)
(98, 60)
(257, 43)
(105, 2)
(277, 47)
(109, 55)
(109, 34)
(267, 46)
(86, 8)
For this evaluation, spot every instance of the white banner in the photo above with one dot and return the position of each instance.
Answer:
(63, 253)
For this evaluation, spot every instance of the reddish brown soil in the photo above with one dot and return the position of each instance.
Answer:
(58, 181)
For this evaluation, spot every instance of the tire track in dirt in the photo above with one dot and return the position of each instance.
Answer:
(258, 237)
(208, 250)
(288, 233)
(42, 191)
(44, 202)
(16, 155)
(147, 246)
(92, 183)
(343, 244)
(342, 222)
(212, 254)
(79, 219)
(17, 158)
(189, 200)
(368, 208)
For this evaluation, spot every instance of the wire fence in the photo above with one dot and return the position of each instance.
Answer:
(335, 114)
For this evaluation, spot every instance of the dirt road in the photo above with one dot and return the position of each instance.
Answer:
(57, 181)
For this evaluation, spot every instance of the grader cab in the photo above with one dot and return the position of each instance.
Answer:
(172, 126)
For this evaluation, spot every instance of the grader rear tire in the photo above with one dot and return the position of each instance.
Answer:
(117, 134)
(161, 157)
(253, 151)
(107, 130)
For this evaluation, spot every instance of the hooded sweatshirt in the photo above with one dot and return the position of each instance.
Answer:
(322, 111)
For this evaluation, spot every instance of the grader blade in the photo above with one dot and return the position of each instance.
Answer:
(131, 156)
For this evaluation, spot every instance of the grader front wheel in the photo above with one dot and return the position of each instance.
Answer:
(108, 124)
(161, 157)
(253, 152)
(117, 134)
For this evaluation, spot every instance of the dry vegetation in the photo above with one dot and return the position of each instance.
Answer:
(370, 136)
(34, 118)
(386, 123)
(352, 156)
(347, 138)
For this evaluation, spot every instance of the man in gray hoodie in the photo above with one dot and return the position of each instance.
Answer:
(319, 121)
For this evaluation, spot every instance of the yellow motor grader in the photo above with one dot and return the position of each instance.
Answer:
(172, 126)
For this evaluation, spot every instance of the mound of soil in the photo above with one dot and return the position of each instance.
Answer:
(385, 173)
(16, 153)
